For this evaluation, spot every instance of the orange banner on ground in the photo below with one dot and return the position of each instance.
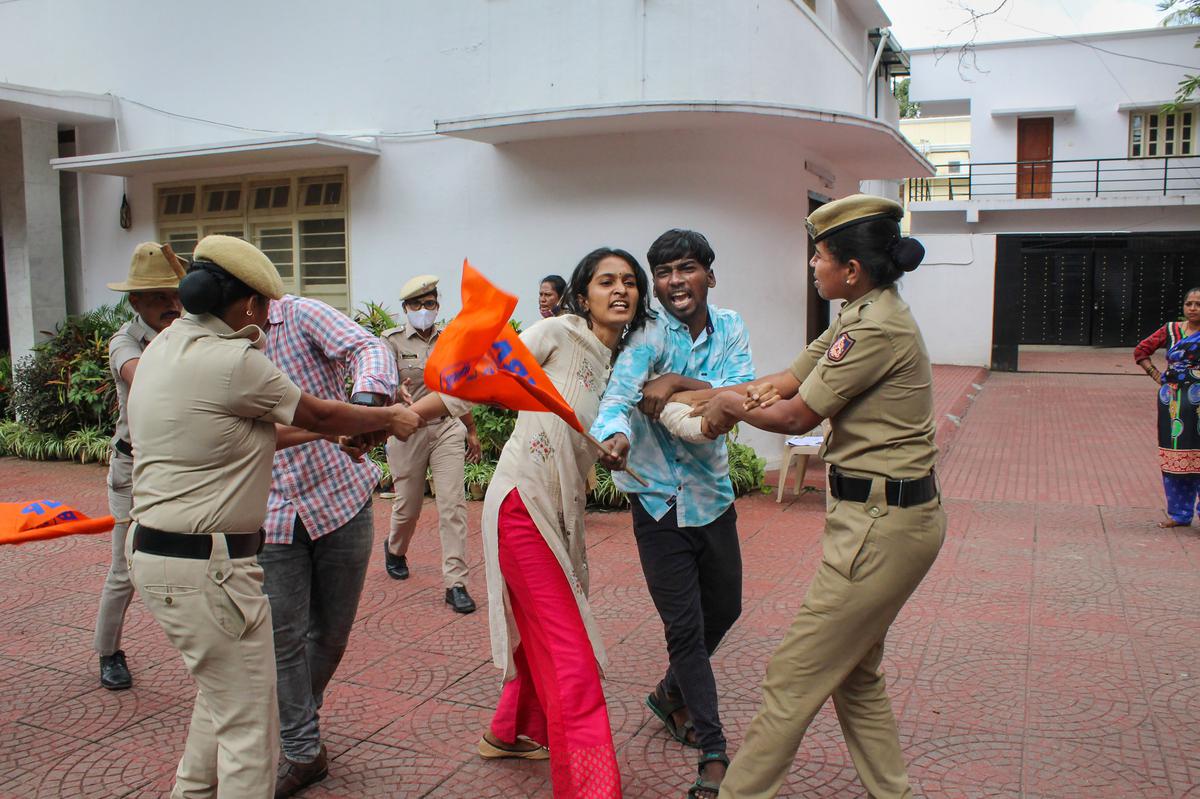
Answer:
(21, 522)
(479, 357)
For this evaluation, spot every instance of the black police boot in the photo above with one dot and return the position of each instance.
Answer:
(458, 598)
(396, 565)
(114, 674)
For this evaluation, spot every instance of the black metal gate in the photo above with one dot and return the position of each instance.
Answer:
(1098, 290)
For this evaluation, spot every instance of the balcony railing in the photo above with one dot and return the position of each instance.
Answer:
(1071, 178)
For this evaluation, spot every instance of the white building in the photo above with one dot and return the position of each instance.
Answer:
(361, 146)
(1077, 219)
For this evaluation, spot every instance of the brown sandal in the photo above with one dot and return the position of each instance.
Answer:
(498, 749)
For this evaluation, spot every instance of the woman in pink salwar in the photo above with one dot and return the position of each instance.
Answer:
(543, 633)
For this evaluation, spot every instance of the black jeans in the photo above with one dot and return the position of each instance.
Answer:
(695, 578)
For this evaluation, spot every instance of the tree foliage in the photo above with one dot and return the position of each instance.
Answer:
(908, 109)
(1182, 12)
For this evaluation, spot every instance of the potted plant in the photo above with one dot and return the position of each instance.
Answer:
(477, 476)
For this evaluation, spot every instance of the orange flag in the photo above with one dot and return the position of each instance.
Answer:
(479, 357)
(21, 522)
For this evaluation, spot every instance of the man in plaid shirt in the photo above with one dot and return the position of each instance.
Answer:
(320, 530)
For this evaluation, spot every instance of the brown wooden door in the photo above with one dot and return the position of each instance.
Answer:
(1035, 149)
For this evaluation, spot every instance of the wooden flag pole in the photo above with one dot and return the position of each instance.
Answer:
(600, 448)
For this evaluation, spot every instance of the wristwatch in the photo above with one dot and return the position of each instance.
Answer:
(369, 398)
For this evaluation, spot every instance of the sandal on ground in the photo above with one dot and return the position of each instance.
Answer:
(494, 751)
(707, 789)
(663, 705)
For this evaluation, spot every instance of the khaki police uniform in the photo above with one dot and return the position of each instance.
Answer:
(126, 345)
(202, 415)
(440, 448)
(869, 374)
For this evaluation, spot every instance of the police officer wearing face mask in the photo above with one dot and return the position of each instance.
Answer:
(441, 448)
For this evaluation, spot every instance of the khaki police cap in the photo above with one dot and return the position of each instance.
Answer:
(242, 260)
(421, 284)
(153, 267)
(848, 211)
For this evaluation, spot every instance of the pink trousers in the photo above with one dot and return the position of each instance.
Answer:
(556, 698)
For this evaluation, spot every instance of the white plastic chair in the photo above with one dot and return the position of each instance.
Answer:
(802, 454)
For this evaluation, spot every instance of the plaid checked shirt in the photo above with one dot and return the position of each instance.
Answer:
(315, 345)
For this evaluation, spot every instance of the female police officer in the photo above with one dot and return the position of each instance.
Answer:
(868, 374)
(204, 412)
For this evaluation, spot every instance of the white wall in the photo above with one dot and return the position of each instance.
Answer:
(951, 296)
(368, 66)
(1046, 73)
(518, 210)
(1146, 217)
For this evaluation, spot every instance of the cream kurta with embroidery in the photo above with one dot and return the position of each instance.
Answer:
(549, 463)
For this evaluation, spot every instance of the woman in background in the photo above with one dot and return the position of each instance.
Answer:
(1178, 398)
(550, 294)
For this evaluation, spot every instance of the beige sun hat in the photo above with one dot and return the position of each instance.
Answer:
(154, 266)
(244, 261)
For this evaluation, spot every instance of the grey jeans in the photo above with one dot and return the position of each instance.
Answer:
(118, 590)
(314, 588)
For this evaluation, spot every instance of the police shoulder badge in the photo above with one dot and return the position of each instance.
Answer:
(839, 348)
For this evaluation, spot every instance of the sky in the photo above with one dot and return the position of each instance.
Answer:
(925, 23)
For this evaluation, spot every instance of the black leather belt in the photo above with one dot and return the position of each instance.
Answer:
(124, 447)
(900, 493)
(197, 546)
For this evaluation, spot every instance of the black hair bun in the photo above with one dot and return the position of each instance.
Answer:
(200, 291)
(907, 253)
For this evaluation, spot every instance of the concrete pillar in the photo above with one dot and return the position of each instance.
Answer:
(31, 224)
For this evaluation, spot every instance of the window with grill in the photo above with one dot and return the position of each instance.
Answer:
(298, 221)
(1154, 134)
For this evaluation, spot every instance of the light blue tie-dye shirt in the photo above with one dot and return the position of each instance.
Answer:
(692, 477)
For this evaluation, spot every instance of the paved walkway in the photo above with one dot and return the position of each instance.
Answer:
(1052, 652)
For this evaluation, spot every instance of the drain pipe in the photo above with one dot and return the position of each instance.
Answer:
(870, 85)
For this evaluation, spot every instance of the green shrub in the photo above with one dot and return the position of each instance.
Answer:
(89, 445)
(493, 426)
(375, 318)
(379, 457)
(65, 385)
(605, 494)
(477, 477)
(747, 471)
(5, 386)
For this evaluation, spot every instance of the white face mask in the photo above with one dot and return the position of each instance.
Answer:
(422, 319)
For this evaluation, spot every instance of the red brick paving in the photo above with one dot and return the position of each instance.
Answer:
(1079, 360)
(1052, 651)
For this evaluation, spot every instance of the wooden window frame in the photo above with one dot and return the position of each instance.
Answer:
(202, 223)
(1157, 133)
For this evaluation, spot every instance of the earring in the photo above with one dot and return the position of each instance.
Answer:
(249, 312)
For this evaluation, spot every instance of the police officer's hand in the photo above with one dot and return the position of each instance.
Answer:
(760, 395)
(616, 453)
(355, 447)
(718, 416)
(403, 422)
(474, 450)
(656, 394)
(405, 394)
